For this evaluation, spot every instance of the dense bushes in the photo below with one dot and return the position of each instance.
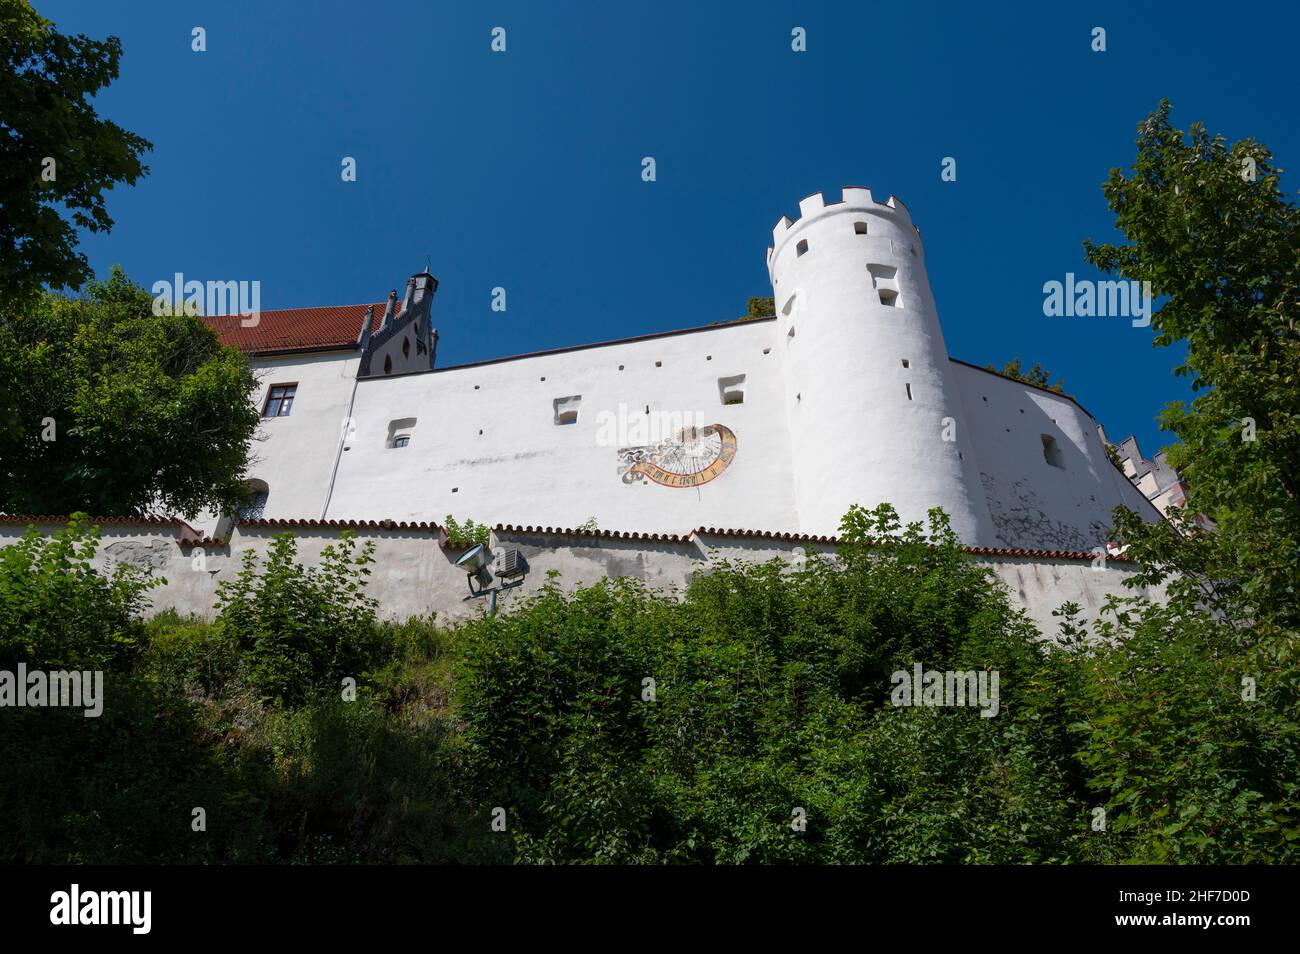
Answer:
(771, 695)
(746, 720)
(300, 630)
(57, 612)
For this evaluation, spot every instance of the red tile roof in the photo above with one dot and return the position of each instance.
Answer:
(296, 329)
(289, 523)
(579, 532)
(188, 533)
(190, 536)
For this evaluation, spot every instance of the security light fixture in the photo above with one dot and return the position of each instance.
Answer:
(509, 566)
(474, 559)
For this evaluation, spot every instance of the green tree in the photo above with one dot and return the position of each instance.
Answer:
(1208, 226)
(109, 409)
(57, 156)
(1037, 375)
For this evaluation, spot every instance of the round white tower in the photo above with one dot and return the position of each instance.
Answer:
(874, 411)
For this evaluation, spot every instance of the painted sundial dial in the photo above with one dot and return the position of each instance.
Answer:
(691, 457)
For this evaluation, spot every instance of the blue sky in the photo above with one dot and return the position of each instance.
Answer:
(522, 169)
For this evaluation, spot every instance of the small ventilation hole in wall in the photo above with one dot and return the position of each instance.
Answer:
(906, 363)
(476, 387)
(790, 333)
(566, 409)
(767, 351)
(659, 364)
(732, 389)
(620, 367)
(1052, 453)
(543, 377)
(860, 228)
(455, 490)
(708, 357)
(801, 248)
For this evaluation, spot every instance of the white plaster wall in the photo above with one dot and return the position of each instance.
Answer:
(857, 435)
(295, 455)
(1032, 503)
(412, 576)
(826, 421)
(523, 468)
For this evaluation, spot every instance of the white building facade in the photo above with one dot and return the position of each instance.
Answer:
(847, 395)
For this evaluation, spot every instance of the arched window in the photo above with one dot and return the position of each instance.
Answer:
(255, 509)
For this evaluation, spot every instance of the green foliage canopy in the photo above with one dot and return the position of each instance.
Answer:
(46, 82)
(110, 409)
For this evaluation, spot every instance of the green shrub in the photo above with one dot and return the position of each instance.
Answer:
(301, 630)
(58, 612)
(771, 694)
(466, 534)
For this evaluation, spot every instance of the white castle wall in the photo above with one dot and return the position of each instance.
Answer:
(1032, 503)
(413, 576)
(295, 455)
(865, 427)
(826, 420)
(485, 444)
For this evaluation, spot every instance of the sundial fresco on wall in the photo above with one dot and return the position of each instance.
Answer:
(694, 456)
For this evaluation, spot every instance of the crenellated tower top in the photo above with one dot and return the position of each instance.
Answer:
(854, 199)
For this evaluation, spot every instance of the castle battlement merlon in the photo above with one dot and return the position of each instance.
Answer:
(852, 199)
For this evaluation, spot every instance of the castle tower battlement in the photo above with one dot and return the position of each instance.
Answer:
(874, 411)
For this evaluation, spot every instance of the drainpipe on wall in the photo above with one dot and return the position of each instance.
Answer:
(343, 438)
(363, 342)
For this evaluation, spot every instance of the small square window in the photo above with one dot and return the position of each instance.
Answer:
(566, 409)
(399, 432)
(906, 363)
(860, 228)
(279, 400)
(732, 389)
